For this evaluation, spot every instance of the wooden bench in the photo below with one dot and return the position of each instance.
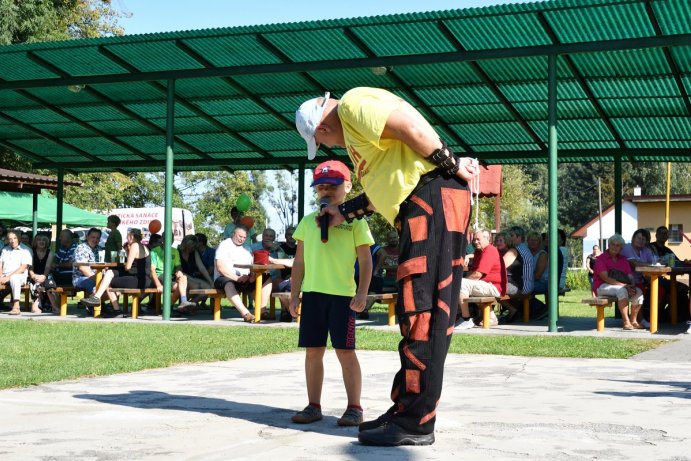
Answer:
(216, 298)
(484, 303)
(600, 302)
(136, 293)
(385, 298)
(26, 290)
(63, 293)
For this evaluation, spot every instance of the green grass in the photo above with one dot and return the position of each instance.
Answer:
(39, 352)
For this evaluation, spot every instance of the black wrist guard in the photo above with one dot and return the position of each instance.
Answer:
(445, 159)
(355, 208)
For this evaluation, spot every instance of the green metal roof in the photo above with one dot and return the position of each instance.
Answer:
(478, 74)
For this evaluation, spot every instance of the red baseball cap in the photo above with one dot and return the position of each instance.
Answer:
(330, 172)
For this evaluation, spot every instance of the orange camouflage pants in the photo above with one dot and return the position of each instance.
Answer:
(432, 224)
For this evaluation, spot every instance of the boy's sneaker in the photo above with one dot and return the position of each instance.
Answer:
(308, 415)
(91, 301)
(351, 417)
(688, 330)
(465, 325)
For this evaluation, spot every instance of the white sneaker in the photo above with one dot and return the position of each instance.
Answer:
(688, 331)
(645, 324)
(465, 325)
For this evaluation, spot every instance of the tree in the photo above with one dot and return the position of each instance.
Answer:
(283, 198)
(211, 195)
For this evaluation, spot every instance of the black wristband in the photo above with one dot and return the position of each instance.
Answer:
(445, 159)
(355, 208)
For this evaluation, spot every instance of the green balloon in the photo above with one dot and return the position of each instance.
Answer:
(243, 203)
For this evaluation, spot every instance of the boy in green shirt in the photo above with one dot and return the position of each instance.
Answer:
(324, 273)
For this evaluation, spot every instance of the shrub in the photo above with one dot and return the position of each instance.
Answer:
(577, 279)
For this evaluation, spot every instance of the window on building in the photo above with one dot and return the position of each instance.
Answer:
(676, 233)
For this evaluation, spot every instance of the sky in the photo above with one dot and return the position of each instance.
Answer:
(148, 16)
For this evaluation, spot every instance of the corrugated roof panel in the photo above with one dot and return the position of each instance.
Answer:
(537, 90)
(289, 102)
(274, 83)
(598, 23)
(72, 158)
(151, 145)
(232, 50)
(406, 38)
(190, 88)
(521, 69)
(251, 122)
(569, 146)
(682, 57)
(505, 147)
(658, 128)
(491, 133)
(16, 66)
(234, 155)
(476, 112)
(152, 56)
(131, 91)
(37, 115)
(45, 147)
(60, 130)
(287, 139)
(639, 107)
(13, 131)
(230, 106)
(617, 64)
(476, 94)
(438, 74)
(157, 109)
(87, 61)
(13, 99)
(493, 32)
(95, 145)
(184, 125)
(659, 144)
(673, 16)
(343, 80)
(123, 127)
(214, 142)
(634, 87)
(575, 130)
(537, 111)
(95, 112)
(60, 95)
(299, 46)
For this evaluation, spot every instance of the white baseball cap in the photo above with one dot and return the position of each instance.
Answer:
(307, 119)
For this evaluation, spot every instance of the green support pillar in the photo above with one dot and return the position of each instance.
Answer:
(168, 214)
(553, 288)
(301, 192)
(34, 215)
(60, 197)
(617, 195)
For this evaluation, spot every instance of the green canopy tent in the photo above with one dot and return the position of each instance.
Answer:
(18, 207)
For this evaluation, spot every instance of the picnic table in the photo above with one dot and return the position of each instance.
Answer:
(654, 272)
(99, 267)
(258, 270)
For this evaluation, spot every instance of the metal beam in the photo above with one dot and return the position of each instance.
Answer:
(26, 153)
(385, 61)
(552, 194)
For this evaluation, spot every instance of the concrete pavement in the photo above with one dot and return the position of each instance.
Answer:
(493, 407)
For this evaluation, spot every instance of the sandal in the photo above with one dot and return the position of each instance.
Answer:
(627, 327)
(266, 315)
(637, 326)
(14, 312)
(248, 317)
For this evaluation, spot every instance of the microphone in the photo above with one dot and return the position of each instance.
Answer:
(324, 220)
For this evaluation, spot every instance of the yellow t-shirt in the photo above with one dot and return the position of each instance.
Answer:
(330, 266)
(388, 169)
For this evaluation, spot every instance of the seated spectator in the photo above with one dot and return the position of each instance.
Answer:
(114, 240)
(84, 277)
(14, 268)
(614, 277)
(137, 269)
(390, 262)
(63, 259)
(288, 250)
(487, 277)
(38, 274)
(542, 267)
(517, 235)
(565, 255)
(26, 241)
(207, 253)
(269, 244)
(513, 262)
(179, 279)
(590, 265)
(661, 250)
(234, 280)
(193, 267)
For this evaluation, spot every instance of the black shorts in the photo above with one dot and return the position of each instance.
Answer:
(247, 287)
(322, 314)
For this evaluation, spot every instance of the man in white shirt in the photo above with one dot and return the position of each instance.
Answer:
(14, 268)
(234, 280)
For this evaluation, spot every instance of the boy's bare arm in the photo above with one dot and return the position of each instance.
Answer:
(359, 302)
(296, 276)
